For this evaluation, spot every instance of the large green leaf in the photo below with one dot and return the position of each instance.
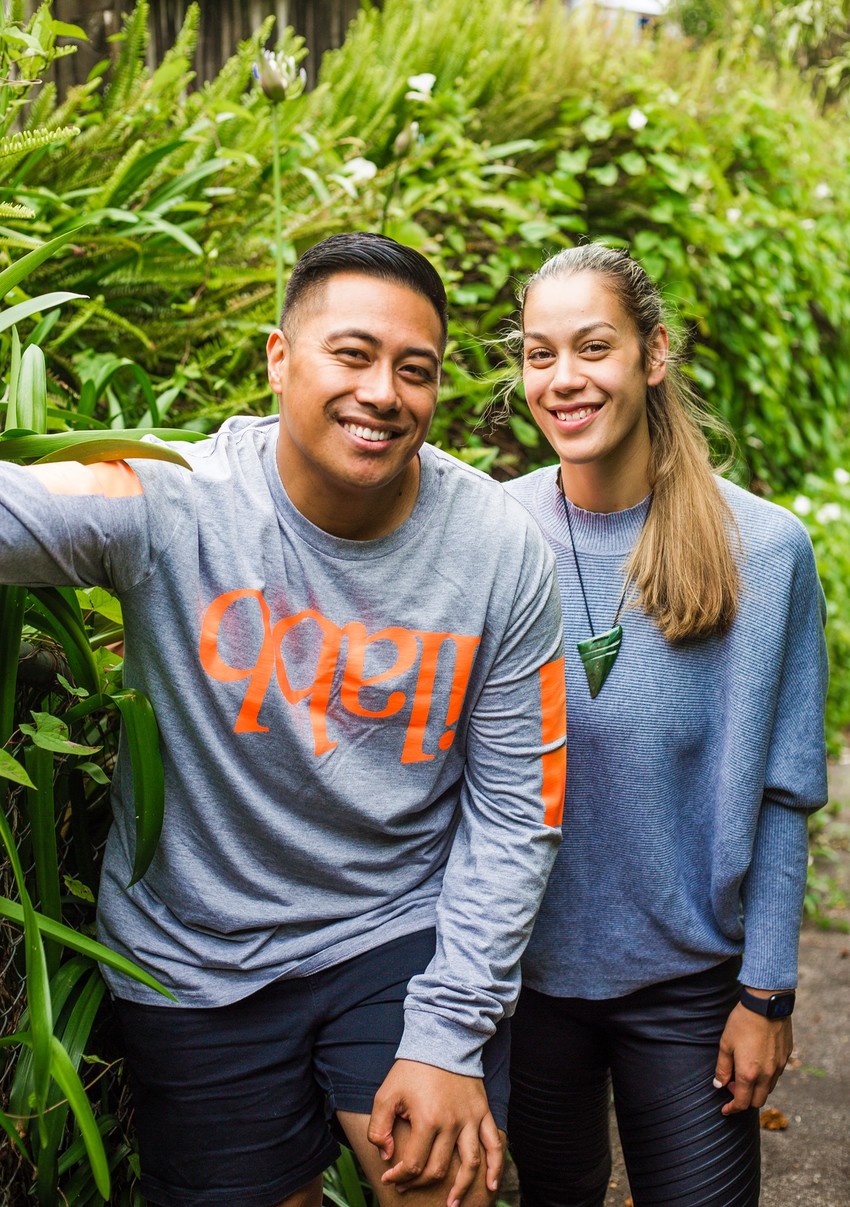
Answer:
(142, 734)
(62, 606)
(42, 819)
(9, 1127)
(11, 769)
(66, 1075)
(41, 1011)
(18, 271)
(31, 401)
(73, 1038)
(12, 606)
(88, 447)
(45, 301)
(13, 912)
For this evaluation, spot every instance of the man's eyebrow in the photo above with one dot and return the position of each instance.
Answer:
(577, 334)
(368, 338)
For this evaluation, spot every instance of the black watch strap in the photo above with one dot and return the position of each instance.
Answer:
(778, 1005)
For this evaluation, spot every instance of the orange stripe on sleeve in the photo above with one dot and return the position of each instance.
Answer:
(553, 706)
(110, 479)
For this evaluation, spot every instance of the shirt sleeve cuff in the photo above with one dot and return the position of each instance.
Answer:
(432, 1040)
(773, 898)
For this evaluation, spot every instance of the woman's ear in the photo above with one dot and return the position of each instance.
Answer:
(659, 353)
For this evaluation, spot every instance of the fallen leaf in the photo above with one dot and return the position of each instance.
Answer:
(773, 1120)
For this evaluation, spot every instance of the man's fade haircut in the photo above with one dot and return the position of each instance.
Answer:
(372, 255)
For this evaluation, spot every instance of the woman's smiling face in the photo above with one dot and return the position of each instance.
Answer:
(586, 378)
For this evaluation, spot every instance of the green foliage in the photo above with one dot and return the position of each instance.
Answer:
(823, 504)
(811, 36)
(138, 239)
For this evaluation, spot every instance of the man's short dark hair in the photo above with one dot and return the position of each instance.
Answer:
(371, 254)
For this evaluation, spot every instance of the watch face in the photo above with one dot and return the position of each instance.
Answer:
(781, 1007)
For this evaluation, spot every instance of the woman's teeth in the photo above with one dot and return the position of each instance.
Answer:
(582, 413)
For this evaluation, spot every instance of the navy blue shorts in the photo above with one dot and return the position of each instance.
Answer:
(235, 1104)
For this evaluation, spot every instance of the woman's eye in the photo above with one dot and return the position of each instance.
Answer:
(536, 355)
(595, 347)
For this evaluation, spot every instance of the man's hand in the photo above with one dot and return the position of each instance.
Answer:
(446, 1112)
(753, 1052)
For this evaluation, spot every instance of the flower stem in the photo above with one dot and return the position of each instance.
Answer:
(278, 206)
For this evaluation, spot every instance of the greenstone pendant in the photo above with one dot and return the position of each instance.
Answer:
(598, 655)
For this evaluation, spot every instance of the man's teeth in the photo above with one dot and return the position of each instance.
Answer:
(581, 413)
(366, 433)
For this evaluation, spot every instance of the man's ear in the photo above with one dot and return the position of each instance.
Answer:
(277, 354)
(659, 352)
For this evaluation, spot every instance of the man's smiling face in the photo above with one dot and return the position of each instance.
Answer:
(356, 376)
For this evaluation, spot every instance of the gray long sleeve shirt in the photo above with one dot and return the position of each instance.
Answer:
(693, 770)
(359, 737)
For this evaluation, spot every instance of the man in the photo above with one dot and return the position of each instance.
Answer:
(352, 642)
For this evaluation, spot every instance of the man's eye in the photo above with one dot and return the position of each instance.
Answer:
(420, 372)
(352, 353)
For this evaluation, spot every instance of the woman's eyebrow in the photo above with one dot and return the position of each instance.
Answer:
(578, 333)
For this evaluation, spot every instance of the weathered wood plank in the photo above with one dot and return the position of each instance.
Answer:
(224, 23)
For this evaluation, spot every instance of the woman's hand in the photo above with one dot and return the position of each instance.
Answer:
(753, 1052)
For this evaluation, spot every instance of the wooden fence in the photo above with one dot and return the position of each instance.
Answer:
(224, 23)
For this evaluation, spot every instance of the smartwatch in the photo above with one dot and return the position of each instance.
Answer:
(778, 1005)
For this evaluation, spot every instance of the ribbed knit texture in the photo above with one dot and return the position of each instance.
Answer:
(691, 773)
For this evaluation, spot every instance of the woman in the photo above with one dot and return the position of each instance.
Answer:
(664, 956)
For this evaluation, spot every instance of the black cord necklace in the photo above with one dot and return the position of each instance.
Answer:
(599, 651)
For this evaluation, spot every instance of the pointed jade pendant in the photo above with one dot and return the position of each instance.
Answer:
(598, 655)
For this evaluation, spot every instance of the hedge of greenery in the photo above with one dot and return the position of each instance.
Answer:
(138, 271)
(538, 130)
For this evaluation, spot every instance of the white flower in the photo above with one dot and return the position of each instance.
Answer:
(841, 476)
(733, 214)
(279, 76)
(808, 224)
(829, 511)
(423, 84)
(802, 505)
(360, 169)
(822, 191)
(637, 119)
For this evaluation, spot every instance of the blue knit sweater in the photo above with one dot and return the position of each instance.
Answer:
(692, 772)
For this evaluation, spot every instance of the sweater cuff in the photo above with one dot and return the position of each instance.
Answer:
(432, 1040)
(773, 898)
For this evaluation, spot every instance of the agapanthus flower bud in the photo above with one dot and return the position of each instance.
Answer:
(279, 76)
(405, 139)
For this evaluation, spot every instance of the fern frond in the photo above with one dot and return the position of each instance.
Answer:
(103, 197)
(41, 108)
(9, 210)
(173, 74)
(130, 67)
(22, 142)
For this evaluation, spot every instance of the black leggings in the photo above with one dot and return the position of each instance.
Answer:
(658, 1046)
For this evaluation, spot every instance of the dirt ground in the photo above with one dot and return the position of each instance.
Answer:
(807, 1162)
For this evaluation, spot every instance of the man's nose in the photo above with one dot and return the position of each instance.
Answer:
(376, 387)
